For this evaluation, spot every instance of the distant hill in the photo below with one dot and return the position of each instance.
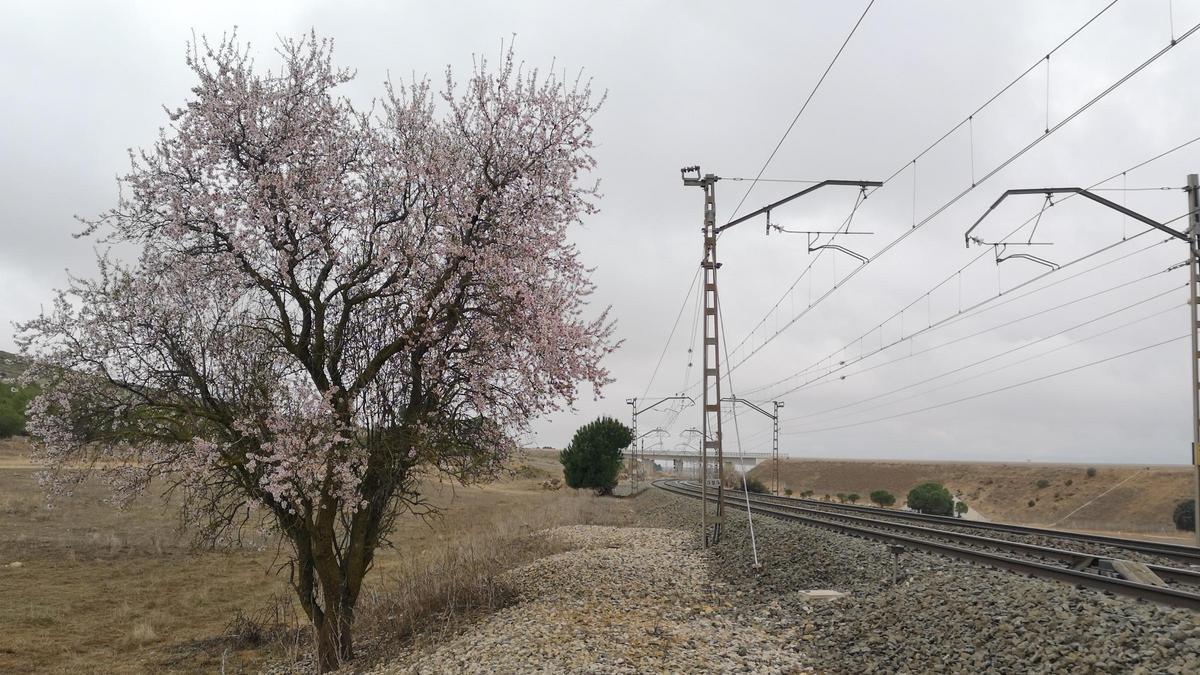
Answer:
(12, 365)
(1131, 498)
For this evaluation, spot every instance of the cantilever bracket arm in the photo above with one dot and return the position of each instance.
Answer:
(1083, 193)
(858, 183)
(752, 405)
(689, 399)
(656, 430)
(843, 249)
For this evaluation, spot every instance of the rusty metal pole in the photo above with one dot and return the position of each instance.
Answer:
(711, 409)
(775, 444)
(1193, 231)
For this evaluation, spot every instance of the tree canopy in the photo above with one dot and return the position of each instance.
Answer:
(593, 458)
(326, 298)
(931, 498)
(882, 497)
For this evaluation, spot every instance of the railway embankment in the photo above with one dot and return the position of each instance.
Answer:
(941, 615)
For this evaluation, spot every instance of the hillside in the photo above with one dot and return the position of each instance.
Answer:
(1128, 498)
(11, 365)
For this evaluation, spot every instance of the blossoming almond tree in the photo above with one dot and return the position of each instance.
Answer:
(327, 300)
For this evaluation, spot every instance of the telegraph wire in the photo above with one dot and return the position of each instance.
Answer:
(972, 397)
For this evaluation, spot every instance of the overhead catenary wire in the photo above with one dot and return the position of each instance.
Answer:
(682, 307)
(972, 397)
(980, 256)
(990, 371)
(803, 107)
(987, 304)
(1006, 352)
(969, 119)
(1035, 142)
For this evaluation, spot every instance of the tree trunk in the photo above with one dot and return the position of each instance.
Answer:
(334, 639)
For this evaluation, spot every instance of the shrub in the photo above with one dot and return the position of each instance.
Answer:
(841, 497)
(931, 498)
(806, 494)
(756, 486)
(960, 508)
(1091, 472)
(1031, 503)
(1068, 482)
(593, 459)
(1185, 515)
(1043, 484)
(882, 497)
(13, 400)
(853, 497)
(787, 492)
(828, 498)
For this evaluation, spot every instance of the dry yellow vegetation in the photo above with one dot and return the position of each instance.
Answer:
(1118, 498)
(121, 591)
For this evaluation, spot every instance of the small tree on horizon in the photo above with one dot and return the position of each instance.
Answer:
(882, 497)
(960, 508)
(932, 498)
(1184, 515)
(593, 458)
(853, 497)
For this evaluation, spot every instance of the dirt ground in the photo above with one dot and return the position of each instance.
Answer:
(1119, 498)
(101, 590)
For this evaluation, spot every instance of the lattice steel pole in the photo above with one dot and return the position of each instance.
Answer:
(775, 444)
(1193, 232)
(633, 445)
(711, 407)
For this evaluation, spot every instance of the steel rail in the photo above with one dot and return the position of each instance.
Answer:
(1179, 552)
(1076, 559)
(1163, 594)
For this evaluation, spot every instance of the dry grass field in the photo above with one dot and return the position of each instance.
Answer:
(1119, 498)
(101, 590)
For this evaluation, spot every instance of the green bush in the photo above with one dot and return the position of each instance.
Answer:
(593, 459)
(787, 492)
(960, 508)
(1185, 515)
(1031, 503)
(1091, 472)
(13, 400)
(756, 486)
(1043, 484)
(931, 498)
(806, 494)
(882, 497)
(853, 497)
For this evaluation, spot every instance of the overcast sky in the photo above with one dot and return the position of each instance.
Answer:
(716, 84)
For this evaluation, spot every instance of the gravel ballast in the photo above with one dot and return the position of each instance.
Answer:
(624, 600)
(944, 615)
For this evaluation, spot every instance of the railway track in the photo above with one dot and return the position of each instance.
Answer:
(1180, 586)
(1181, 553)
